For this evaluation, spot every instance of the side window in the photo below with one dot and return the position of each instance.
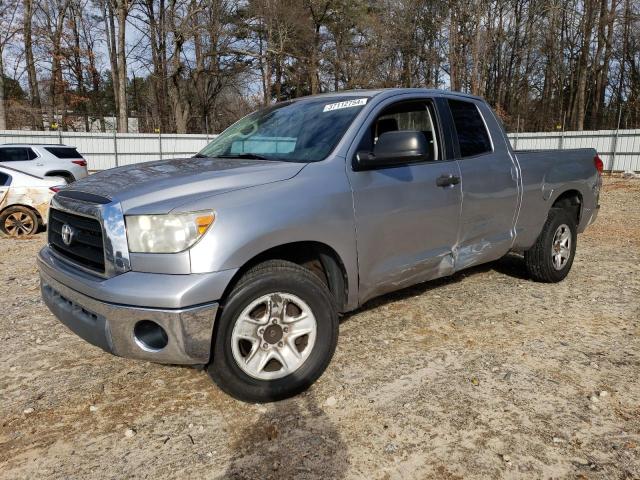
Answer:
(63, 152)
(5, 180)
(473, 137)
(409, 115)
(14, 154)
(31, 154)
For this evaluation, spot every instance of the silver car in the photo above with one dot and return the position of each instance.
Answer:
(24, 201)
(45, 160)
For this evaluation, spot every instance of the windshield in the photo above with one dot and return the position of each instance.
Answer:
(296, 131)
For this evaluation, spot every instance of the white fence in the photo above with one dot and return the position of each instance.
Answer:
(619, 150)
(108, 150)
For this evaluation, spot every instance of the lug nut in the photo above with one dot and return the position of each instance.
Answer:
(265, 345)
(261, 331)
(281, 344)
(285, 329)
(274, 320)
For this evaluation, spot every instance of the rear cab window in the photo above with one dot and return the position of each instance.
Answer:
(471, 131)
(64, 152)
(16, 154)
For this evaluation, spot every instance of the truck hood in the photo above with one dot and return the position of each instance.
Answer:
(162, 186)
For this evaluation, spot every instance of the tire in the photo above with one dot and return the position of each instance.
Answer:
(550, 258)
(297, 299)
(18, 222)
(69, 178)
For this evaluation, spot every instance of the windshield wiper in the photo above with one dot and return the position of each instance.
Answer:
(248, 156)
(199, 155)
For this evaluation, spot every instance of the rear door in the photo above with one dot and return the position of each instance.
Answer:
(19, 158)
(489, 184)
(406, 223)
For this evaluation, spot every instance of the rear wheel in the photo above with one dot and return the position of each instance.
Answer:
(18, 222)
(276, 333)
(551, 257)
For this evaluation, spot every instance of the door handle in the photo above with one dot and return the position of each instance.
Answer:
(447, 180)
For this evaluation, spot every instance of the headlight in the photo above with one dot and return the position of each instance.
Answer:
(166, 233)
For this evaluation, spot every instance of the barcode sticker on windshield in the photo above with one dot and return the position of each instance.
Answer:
(346, 104)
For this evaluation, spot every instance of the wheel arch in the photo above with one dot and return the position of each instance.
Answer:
(570, 200)
(318, 257)
(66, 174)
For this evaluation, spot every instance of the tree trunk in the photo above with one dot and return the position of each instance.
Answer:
(113, 57)
(36, 105)
(56, 77)
(77, 67)
(581, 83)
(550, 50)
(606, 21)
(454, 77)
(3, 113)
(123, 122)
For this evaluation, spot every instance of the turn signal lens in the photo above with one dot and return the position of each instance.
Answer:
(204, 222)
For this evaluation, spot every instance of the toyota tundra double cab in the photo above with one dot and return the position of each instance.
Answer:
(243, 257)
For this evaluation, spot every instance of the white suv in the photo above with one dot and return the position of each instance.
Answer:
(44, 160)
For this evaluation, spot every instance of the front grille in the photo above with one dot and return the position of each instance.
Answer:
(86, 248)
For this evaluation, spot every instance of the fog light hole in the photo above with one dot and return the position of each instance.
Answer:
(150, 336)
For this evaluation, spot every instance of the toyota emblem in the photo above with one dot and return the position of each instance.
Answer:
(67, 234)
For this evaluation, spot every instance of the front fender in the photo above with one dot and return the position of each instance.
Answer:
(254, 220)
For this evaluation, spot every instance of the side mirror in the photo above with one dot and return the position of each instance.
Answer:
(394, 148)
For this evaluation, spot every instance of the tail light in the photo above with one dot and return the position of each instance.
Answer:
(56, 188)
(82, 163)
(597, 161)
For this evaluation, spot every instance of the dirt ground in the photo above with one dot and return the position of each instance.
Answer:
(482, 375)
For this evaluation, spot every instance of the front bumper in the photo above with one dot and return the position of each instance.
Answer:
(110, 326)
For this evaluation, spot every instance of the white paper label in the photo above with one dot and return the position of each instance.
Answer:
(345, 104)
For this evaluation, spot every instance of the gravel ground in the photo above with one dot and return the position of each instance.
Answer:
(484, 374)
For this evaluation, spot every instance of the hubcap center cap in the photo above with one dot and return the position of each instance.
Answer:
(273, 334)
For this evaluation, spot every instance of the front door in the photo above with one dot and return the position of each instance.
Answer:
(406, 222)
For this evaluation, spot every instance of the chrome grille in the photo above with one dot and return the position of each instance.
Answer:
(86, 247)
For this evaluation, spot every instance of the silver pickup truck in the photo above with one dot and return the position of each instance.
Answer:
(243, 257)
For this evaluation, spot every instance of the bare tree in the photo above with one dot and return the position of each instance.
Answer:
(34, 90)
(8, 30)
(197, 64)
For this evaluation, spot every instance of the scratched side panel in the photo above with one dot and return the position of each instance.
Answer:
(34, 197)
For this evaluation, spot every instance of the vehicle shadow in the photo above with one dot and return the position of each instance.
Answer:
(511, 265)
(292, 439)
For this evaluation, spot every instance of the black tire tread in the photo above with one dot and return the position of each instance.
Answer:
(221, 373)
(537, 257)
(278, 266)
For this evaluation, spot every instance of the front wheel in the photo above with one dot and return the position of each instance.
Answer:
(276, 333)
(551, 257)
